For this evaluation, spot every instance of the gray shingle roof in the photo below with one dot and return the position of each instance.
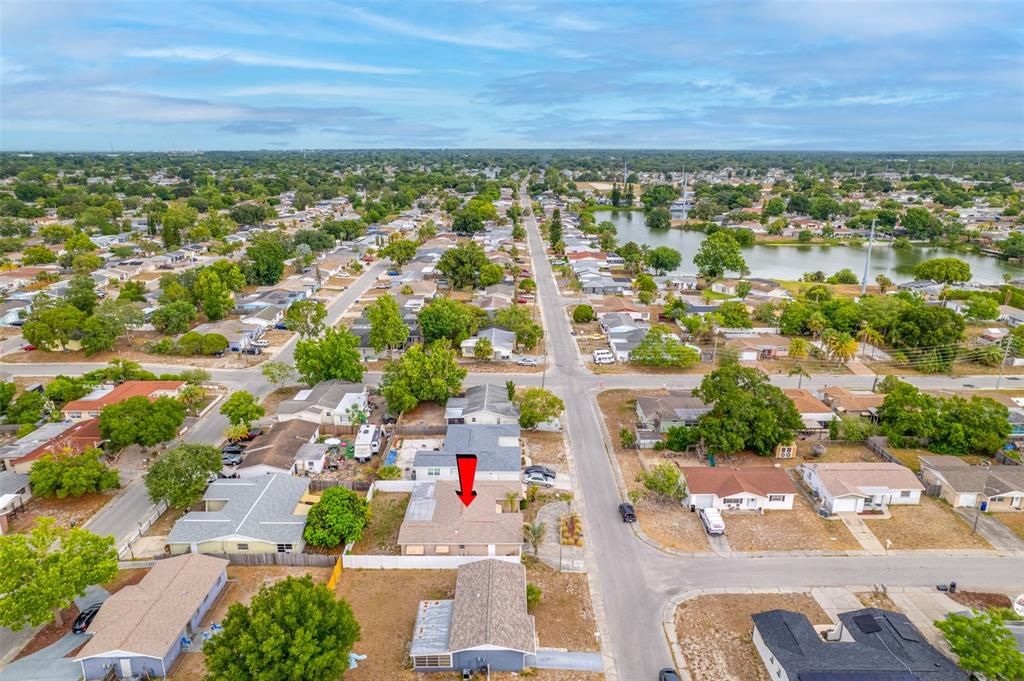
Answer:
(260, 508)
(486, 397)
(476, 438)
(490, 608)
(326, 395)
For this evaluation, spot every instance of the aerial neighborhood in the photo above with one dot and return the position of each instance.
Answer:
(492, 415)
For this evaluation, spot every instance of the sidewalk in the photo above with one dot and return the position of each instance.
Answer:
(994, 532)
(859, 529)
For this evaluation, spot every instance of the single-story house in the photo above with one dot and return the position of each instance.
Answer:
(855, 402)
(859, 487)
(14, 311)
(15, 491)
(1011, 316)
(485, 626)
(496, 447)
(245, 515)
(437, 524)
(90, 406)
(487, 403)
(239, 336)
(275, 450)
(815, 414)
(926, 288)
(615, 305)
(997, 488)
(328, 403)
(142, 628)
(311, 458)
(503, 342)
(265, 318)
(50, 438)
(752, 488)
(754, 347)
(657, 414)
(867, 644)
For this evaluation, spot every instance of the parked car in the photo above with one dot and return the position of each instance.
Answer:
(261, 343)
(668, 674)
(232, 448)
(712, 520)
(538, 480)
(527, 362)
(85, 618)
(521, 300)
(602, 356)
(252, 351)
(231, 459)
(390, 419)
(541, 470)
(251, 435)
(627, 512)
(28, 347)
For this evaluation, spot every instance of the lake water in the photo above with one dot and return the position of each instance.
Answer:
(790, 262)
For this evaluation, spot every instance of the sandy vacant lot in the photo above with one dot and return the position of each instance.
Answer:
(714, 632)
(70, 512)
(564, 618)
(545, 448)
(931, 525)
(798, 530)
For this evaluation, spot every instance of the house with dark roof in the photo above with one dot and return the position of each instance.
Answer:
(328, 403)
(496, 446)
(50, 438)
(751, 488)
(275, 450)
(868, 645)
(486, 626)
(487, 403)
(245, 515)
(997, 488)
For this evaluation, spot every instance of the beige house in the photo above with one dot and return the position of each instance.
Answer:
(438, 524)
(859, 487)
(998, 488)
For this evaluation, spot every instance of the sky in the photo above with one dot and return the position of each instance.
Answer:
(826, 75)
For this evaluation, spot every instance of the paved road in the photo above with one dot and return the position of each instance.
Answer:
(633, 579)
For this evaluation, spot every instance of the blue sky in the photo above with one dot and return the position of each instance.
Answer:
(710, 75)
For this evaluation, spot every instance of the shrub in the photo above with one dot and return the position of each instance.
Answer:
(533, 595)
(583, 314)
(627, 438)
(389, 473)
(214, 343)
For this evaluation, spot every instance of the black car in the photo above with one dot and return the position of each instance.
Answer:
(232, 448)
(627, 512)
(232, 459)
(251, 351)
(85, 618)
(668, 674)
(541, 470)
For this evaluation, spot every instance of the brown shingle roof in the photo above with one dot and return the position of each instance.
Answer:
(147, 618)
(490, 608)
(805, 401)
(852, 478)
(724, 482)
(847, 400)
(435, 515)
(277, 447)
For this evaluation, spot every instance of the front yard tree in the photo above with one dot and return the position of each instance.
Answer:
(399, 252)
(265, 259)
(293, 629)
(537, 405)
(582, 314)
(136, 420)
(664, 259)
(81, 293)
(180, 476)
(517, 319)
(45, 570)
(450, 319)
(71, 474)
(984, 644)
(387, 330)
(50, 326)
(306, 317)
(483, 350)
(717, 254)
(422, 375)
(175, 317)
(241, 407)
(748, 412)
(333, 355)
(338, 518)
(660, 348)
(665, 481)
(277, 372)
(212, 294)
(462, 264)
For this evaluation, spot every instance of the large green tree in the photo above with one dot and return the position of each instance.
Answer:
(241, 407)
(983, 643)
(399, 252)
(335, 354)
(661, 348)
(306, 317)
(718, 253)
(174, 317)
(422, 375)
(265, 258)
(51, 326)
(451, 319)
(387, 330)
(72, 474)
(46, 569)
(518, 319)
(462, 264)
(136, 420)
(293, 630)
(180, 476)
(338, 518)
(664, 259)
(943, 270)
(214, 296)
(537, 405)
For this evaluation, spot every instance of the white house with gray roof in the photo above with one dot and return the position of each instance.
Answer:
(327, 403)
(245, 515)
(499, 456)
(503, 343)
(487, 403)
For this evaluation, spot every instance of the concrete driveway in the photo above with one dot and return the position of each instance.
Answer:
(553, 658)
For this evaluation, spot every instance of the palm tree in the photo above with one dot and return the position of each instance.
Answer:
(191, 395)
(798, 348)
(534, 535)
(816, 324)
(510, 388)
(512, 499)
(841, 345)
(866, 335)
(884, 283)
(798, 370)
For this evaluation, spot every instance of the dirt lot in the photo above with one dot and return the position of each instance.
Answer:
(1014, 521)
(563, 617)
(834, 453)
(931, 525)
(385, 603)
(714, 632)
(546, 448)
(876, 599)
(798, 530)
(272, 401)
(386, 513)
(425, 414)
(67, 512)
(980, 600)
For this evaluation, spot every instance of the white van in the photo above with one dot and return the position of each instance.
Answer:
(712, 519)
(602, 356)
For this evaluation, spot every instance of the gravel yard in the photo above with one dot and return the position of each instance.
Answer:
(930, 525)
(714, 632)
(69, 512)
(798, 530)
(545, 448)
(564, 617)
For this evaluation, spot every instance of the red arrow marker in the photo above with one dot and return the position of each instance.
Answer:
(467, 473)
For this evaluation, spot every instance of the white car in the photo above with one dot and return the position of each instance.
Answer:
(260, 343)
(527, 362)
(712, 520)
(603, 357)
(538, 479)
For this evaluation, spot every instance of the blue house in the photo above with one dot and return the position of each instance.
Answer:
(143, 628)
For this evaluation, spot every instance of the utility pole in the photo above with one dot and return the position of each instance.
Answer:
(1006, 355)
(867, 261)
(684, 193)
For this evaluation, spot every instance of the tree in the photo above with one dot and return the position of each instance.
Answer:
(37, 255)
(81, 293)
(212, 294)
(661, 348)
(983, 643)
(72, 474)
(717, 254)
(943, 270)
(533, 596)
(555, 227)
(277, 372)
(306, 317)
(663, 259)
(733, 314)
(27, 408)
(467, 222)
(665, 481)
(582, 314)
(748, 412)
(659, 218)
(292, 629)
(50, 326)
(265, 259)
(462, 264)
(844, 276)
(338, 518)
(136, 420)
(537, 405)
(510, 389)
(976, 426)
(884, 283)
(333, 355)
(533, 534)
(346, 230)
(517, 319)
(937, 330)
(180, 476)
(981, 307)
(450, 319)
(387, 329)
(174, 318)
(8, 389)
(97, 336)
(491, 274)
(241, 407)
(422, 375)
(191, 396)
(45, 570)
(919, 223)
(400, 251)
(132, 291)
(483, 350)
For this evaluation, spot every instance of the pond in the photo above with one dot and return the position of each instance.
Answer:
(790, 262)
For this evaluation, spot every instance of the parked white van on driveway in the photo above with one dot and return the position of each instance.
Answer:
(712, 520)
(602, 356)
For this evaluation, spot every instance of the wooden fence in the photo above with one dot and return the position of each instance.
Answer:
(319, 485)
(291, 559)
(420, 430)
(878, 445)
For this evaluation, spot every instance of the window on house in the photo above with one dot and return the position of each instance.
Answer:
(905, 494)
(284, 548)
(243, 547)
(732, 501)
(433, 472)
(776, 497)
(432, 661)
(441, 549)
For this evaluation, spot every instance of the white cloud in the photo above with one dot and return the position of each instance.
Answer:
(328, 90)
(244, 58)
(490, 37)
